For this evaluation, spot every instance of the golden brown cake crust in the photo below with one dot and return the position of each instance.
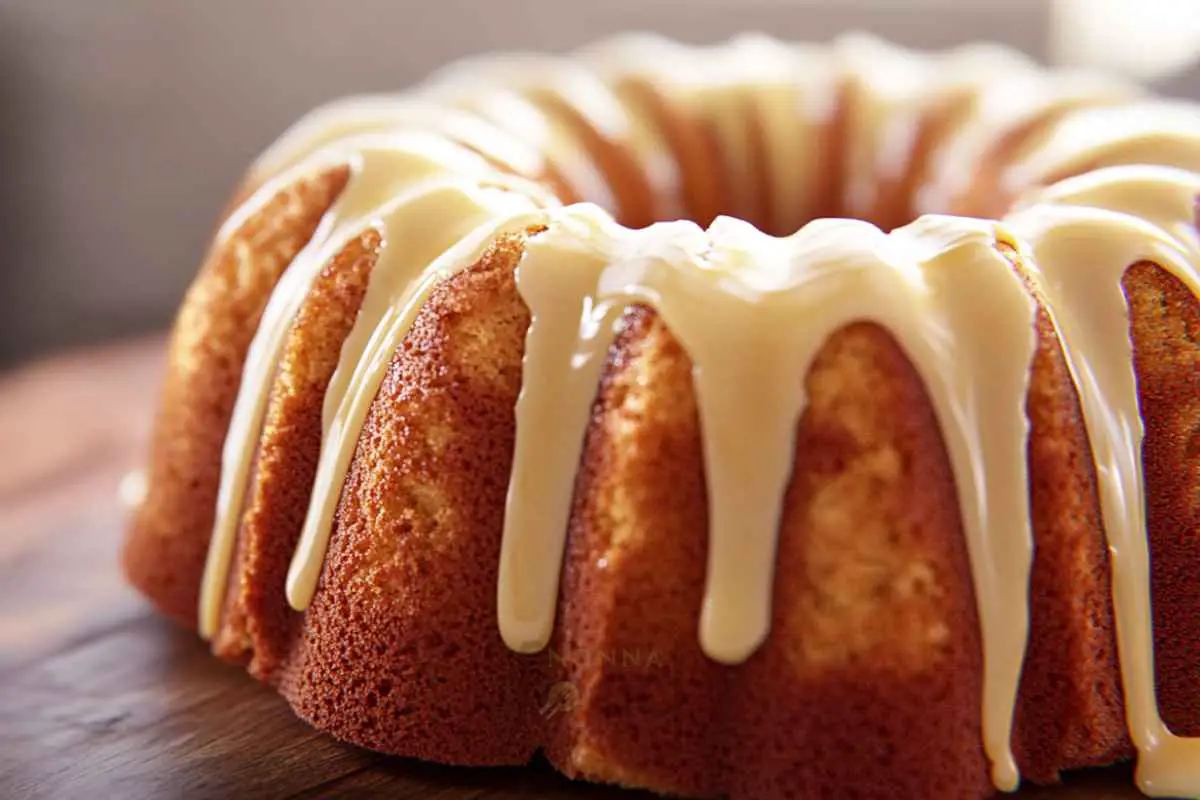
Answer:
(399, 650)
(646, 701)
(870, 682)
(875, 635)
(1070, 711)
(1165, 329)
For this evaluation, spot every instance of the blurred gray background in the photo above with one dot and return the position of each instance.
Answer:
(124, 124)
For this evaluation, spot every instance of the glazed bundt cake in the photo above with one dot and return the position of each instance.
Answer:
(489, 429)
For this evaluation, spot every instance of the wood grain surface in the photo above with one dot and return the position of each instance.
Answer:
(99, 698)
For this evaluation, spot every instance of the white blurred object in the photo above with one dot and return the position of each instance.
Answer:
(1145, 39)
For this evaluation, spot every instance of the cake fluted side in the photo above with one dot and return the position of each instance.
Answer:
(886, 662)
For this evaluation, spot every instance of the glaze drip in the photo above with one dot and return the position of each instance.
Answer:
(1083, 249)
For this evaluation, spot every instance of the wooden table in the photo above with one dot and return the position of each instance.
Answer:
(101, 698)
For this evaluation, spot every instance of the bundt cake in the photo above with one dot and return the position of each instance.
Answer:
(489, 429)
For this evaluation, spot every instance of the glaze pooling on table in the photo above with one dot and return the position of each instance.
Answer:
(442, 175)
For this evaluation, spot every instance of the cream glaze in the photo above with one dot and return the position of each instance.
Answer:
(939, 285)
(1083, 249)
